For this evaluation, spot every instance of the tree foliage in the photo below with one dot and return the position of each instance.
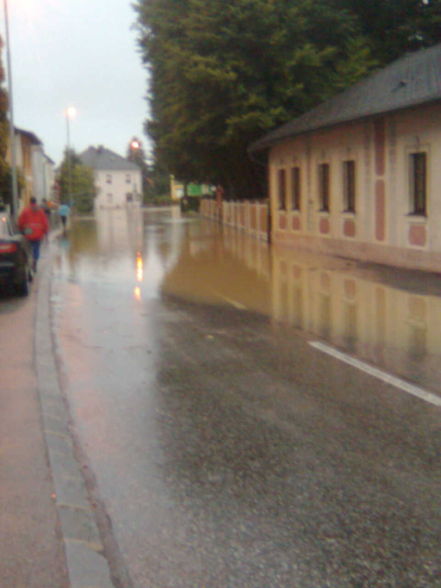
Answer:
(77, 184)
(394, 27)
(5, 168)
(222, 72)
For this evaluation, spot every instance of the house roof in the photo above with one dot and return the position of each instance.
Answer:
(29, 135)
(412, 80)
(100, 158)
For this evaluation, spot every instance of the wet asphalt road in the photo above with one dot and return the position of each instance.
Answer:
(225, 450)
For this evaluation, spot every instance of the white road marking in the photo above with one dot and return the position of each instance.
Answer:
(234, 303)
(384, 376)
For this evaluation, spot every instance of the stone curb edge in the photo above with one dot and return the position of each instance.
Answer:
(85, 559)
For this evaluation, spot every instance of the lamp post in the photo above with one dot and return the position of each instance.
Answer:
(70, 113)
(11, 115)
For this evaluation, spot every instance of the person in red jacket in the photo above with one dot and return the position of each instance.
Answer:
(33, 223)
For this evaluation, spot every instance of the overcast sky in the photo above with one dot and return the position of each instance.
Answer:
(79, 53)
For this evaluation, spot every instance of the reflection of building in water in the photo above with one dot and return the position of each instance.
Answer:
(324, 315)
(329, 298)
(119, 231)
(417, 327)
(349, 313)
(381, 323)
(152, 240)
(221, 266)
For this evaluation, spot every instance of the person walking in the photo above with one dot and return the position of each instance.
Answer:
(63, 211)
(33, 223)
(47, 210)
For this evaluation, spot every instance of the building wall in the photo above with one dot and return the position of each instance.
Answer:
(38, 161)
(36, 169)
(382, 227)
(24, 163)
(116, 189)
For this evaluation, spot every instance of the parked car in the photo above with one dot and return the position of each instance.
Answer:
(15, 256)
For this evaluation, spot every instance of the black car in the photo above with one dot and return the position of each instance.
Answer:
(15, 256)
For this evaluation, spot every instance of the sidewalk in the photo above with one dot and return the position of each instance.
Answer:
(31, 546)
(48, 533)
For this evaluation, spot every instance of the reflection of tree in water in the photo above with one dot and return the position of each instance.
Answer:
(417, 336)
(83, 244)
(215, 275)
(350, 335)
(417, 326)
(350, 315)
(324, 315)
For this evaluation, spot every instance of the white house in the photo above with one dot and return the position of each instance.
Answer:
(359, 175)
(117, 180)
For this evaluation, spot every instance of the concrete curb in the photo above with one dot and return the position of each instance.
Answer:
(86, 563)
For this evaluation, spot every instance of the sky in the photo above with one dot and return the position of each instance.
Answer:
(79, 53)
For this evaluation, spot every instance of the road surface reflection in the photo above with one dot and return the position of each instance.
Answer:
(386, 316)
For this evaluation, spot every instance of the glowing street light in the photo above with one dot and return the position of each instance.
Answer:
(11, 115)
(70, 113)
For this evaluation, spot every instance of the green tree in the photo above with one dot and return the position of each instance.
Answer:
(5, 168)
(225, 71)
(394, 27)
(77, 185)
(159, 183)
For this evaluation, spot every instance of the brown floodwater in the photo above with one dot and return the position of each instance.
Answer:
(388, 317)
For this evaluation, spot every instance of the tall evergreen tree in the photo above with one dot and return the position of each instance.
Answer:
(224, 71)
(394, 27)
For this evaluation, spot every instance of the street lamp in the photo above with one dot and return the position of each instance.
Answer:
(11, 115)
(69, 113)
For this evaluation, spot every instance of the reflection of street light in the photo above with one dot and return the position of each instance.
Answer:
(11, 115)
(69, 113)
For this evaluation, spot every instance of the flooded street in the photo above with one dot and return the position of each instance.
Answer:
(386, 316)
(225, 449)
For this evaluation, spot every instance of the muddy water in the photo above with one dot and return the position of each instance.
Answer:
(386, 316)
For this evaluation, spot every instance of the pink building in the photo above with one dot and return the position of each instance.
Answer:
(360, 175)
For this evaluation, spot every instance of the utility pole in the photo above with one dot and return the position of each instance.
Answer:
(70, 113)
(11, 115)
